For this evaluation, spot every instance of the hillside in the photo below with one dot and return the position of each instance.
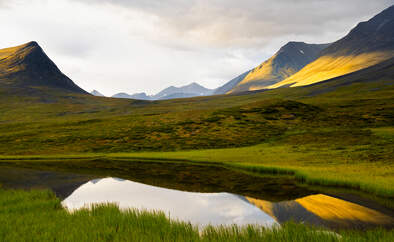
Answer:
(27, 67)
(288, 60)
(369, 43)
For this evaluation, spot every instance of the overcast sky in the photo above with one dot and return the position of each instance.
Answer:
(147, 45)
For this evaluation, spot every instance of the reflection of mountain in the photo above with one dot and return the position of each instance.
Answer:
(198, 208)
(61, 183)
(323, 210)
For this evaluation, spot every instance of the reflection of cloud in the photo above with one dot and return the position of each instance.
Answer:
(198, 208)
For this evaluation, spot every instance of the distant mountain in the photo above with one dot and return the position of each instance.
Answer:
(140, 96)
(28, 67)
(291, 58)
(231, 84)
(96, 93)
(191, 90)
(367, 44)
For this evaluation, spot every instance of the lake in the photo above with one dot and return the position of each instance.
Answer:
(196, 193)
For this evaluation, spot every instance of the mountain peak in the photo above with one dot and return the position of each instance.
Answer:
(27, 66)
(31, 44)
(193, 84)
(290, 58)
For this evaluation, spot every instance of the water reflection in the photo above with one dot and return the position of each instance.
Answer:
(226, 208)
(323, 210)
(199, 194)
(198, 208)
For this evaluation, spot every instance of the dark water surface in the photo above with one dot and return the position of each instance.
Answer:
(197, 193)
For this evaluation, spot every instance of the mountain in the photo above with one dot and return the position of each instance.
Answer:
(28, 67)
(140, 96)
(291, 58)
(191, 90)
(96, 93)
(367, 44)
(231, 84)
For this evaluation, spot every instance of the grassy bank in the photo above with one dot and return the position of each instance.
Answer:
(38, 216)
(313, 166)
(330, 160)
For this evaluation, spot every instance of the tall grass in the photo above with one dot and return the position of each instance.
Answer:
(38, 216)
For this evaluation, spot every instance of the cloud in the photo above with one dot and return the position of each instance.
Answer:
(249, 23)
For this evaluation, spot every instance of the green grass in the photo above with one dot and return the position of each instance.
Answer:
(359, 159)
(313, 165)
(335, 133)
(38, 216)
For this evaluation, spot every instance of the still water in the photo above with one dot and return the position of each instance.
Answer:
(201, 195)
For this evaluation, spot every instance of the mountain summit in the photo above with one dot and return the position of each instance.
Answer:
(368, 44)
(28, 66)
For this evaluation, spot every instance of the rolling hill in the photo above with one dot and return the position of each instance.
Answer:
(369, 43)
(27, 67)
(288, 60)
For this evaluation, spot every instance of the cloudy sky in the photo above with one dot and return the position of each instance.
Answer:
(147, 45)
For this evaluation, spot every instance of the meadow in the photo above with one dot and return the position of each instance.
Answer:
(329, 134)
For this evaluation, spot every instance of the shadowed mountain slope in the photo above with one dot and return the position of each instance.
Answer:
(27, 66)
(369, 43)
(291, 58)
(231, 84)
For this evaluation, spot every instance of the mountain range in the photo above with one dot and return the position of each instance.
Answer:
(191, 90)
(26, 68)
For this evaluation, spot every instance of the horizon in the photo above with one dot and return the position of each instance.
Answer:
(210, 45)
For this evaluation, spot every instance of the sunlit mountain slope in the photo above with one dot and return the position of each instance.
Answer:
(288, 60)
(369, 43)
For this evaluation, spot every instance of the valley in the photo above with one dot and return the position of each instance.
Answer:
(300, 146)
